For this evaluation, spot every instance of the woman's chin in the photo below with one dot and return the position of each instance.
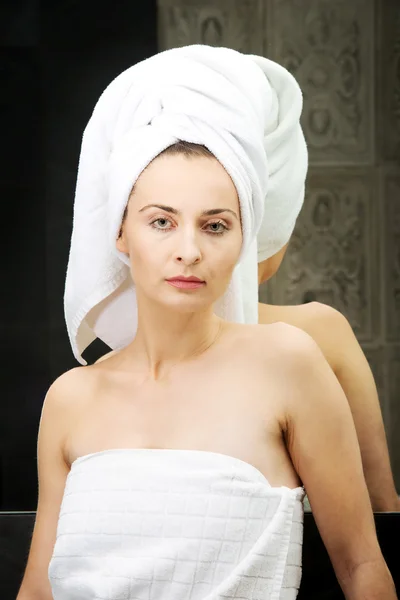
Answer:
(187, 303)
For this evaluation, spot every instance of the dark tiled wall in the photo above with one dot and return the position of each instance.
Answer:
(54, 63)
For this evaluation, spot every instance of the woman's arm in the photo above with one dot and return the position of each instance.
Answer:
(52, 474)
(355, 376)
(335, 337)
(322, 442)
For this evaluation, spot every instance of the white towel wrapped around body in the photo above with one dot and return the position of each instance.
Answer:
(245, 109)
(156, 524)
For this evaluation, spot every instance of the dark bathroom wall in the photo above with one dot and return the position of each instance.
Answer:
(55, 60)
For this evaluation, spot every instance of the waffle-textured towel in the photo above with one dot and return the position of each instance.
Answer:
(246, 110)
(148, 524)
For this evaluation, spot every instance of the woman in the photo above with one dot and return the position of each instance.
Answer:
(177, 468)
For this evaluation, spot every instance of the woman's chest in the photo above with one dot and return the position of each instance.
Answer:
(225, 411)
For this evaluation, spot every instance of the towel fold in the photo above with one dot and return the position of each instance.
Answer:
(245, 110)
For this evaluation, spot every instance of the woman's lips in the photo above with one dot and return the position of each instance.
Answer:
(185, 285)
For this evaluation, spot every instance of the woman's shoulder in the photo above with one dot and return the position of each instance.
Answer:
(72, 380)
(275, 343)
(282, 358)
(300, 315)
(286, 338)
(71, 391)
(326, 325)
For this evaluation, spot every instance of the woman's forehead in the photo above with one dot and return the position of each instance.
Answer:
(183, 183)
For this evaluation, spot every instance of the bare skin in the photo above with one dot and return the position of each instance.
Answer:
(264, 394)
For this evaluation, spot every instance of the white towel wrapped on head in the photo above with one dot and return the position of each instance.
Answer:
(245, 110)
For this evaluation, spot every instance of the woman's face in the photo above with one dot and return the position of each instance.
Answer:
(183, 220)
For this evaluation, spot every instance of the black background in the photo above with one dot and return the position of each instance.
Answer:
(55, 60)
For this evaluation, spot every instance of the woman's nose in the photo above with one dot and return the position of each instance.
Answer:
(188, 248)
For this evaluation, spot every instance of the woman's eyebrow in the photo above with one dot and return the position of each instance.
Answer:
(174, 211)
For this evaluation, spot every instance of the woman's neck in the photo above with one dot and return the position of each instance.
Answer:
(166, 337)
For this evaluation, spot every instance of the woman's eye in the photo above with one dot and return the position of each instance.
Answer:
(162, 223)
(217, 227)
